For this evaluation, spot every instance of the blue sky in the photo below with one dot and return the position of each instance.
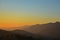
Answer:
(30, 10)
(45, 6)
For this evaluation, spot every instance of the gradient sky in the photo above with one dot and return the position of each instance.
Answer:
(27, 12)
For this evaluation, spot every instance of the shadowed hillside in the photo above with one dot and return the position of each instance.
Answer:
(10, 35)
(5, 35)
(50, 31)
(16, 35)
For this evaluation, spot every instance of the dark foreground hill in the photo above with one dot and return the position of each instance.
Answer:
(22, 35)
(50, 31)
(5, 35)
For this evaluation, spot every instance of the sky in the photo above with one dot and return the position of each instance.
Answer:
(14, 13)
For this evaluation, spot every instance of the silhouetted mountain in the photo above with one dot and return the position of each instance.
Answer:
(5, 35)
(50, 29)
(16, 35)
(22, 32)
(23, 35)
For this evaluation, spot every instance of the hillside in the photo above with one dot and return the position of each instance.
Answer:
(49, 29)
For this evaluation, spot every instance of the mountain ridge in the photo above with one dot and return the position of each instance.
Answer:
(49, 29)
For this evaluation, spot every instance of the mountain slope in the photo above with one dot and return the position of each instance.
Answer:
(50, 29)
(22, 32)
(5, 35)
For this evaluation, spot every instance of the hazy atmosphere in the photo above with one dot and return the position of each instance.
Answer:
(28, 12)
(29, 19)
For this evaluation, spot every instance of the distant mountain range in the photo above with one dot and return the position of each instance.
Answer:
(17, 35)
(49, 29)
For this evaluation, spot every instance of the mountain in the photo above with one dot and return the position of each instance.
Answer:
(49, 29)
(22, 33)
(15, 35)
(25, 33)
(6, 35)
